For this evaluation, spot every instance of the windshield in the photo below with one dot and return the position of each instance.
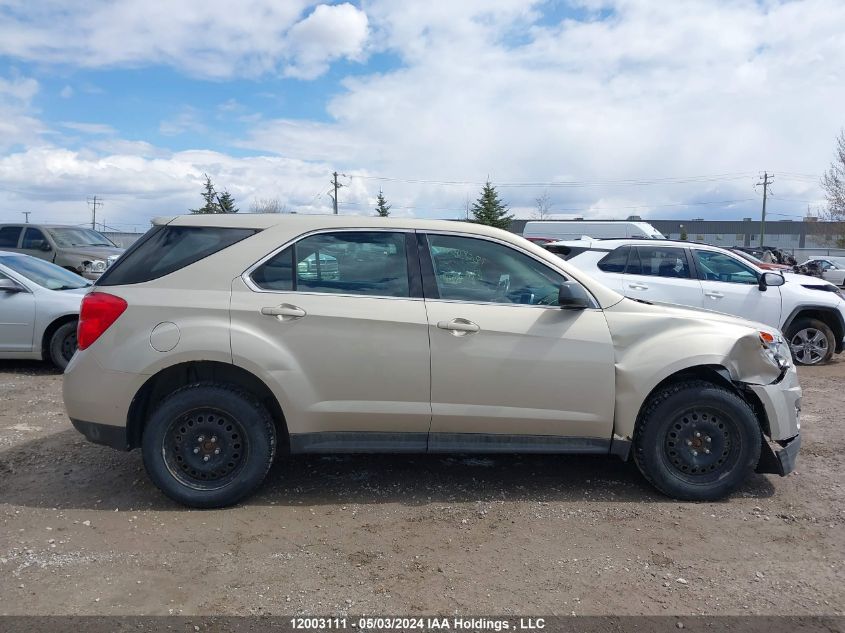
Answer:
(44, 273)
(69, 237)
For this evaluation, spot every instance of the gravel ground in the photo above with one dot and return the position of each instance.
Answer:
(82, 531)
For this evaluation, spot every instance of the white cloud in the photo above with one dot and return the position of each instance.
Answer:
(66, 92)
(329, 33)
(206, 38)
(485, 88)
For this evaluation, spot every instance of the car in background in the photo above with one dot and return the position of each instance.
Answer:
(810, 311)
(543, 231)
(81, 250)
(832, 269)
(221, 350)
(759, 263)
(39, 309)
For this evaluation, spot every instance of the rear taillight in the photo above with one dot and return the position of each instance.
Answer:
(99, 310)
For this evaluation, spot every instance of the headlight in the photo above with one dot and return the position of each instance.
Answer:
(95, 266)
(775, 350)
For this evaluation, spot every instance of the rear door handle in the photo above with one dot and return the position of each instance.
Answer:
(638, 286)
(459, 327)
(714, 295)
(284, 312)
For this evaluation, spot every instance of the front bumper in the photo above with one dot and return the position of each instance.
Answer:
(782, 404)
(91, 276)
(779, 461)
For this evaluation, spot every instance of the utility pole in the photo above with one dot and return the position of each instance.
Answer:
(26, 213)
(767, 180)
(335, 185)
(93, 202)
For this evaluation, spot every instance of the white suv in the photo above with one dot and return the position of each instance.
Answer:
(810, 311)
(218, 341)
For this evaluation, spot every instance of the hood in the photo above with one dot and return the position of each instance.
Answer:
(806, 280)
(672, 311)
(94, 252)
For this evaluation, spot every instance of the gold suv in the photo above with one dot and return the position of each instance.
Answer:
(217, 342)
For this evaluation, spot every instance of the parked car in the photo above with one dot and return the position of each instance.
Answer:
(424, 336)
(759, 263)
(832, 269)
(39, 309)
(543, 231)
(810, 311)
(83, 251)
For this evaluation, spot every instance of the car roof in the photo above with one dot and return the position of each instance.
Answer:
(307, 222)
(12, 254)
(610, 244)
(37, 225)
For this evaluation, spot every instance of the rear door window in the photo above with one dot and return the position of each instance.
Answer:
(33, 239)
(9, 236)
(659, 261)
(166, 249)
(372, 263)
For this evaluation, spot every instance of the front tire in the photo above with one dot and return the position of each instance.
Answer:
(697, 441)
(811, 342)
(62, 345)
(209, 445)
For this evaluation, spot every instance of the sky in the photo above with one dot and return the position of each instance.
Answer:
(605, 108)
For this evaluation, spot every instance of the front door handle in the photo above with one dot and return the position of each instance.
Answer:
(284, 312)
(638, 286)
(714, 295)
(459, 327)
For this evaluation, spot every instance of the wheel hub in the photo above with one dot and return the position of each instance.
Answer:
(698, 443)
(809, 346)
(205, 449)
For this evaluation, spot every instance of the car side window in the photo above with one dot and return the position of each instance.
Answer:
(9, 236)
(716, 266)
(615, 261)
(344, 262)
(33, 239)
(477, 270)
(658, 261)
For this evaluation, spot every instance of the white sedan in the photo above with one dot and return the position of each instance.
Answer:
(833, 268)
(39, 309)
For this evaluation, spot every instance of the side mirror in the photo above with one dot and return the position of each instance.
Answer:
(770, 279)
(572, 296)
(45, 246)
(9, 286)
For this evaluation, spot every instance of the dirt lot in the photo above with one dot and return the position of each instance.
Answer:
(82, 531)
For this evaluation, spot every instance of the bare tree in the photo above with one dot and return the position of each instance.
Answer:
(268, 205)
(544, 206)
(833, 183)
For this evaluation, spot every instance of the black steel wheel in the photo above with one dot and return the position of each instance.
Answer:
(696, 440)
(209, 445)
(205, 449)
(700, 446)
(62, 344)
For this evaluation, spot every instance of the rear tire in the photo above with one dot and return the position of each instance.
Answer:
(209, 445)
(62, 345)
(697, 441)
(811, 341)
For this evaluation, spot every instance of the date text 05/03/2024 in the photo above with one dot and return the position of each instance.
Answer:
(374, 623)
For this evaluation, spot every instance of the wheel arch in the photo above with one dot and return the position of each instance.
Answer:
(171, 378)
(826, 314)
(55, 324)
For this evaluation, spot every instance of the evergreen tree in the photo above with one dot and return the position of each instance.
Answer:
(490, 210)
(226, 203)
(209, 195)
(382, 208)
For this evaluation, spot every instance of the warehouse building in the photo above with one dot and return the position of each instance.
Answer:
(783, 234)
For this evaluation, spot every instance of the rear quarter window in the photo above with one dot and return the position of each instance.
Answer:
(166, 249)
(615, 261)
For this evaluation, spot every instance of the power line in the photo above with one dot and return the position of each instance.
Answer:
(570, 183)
